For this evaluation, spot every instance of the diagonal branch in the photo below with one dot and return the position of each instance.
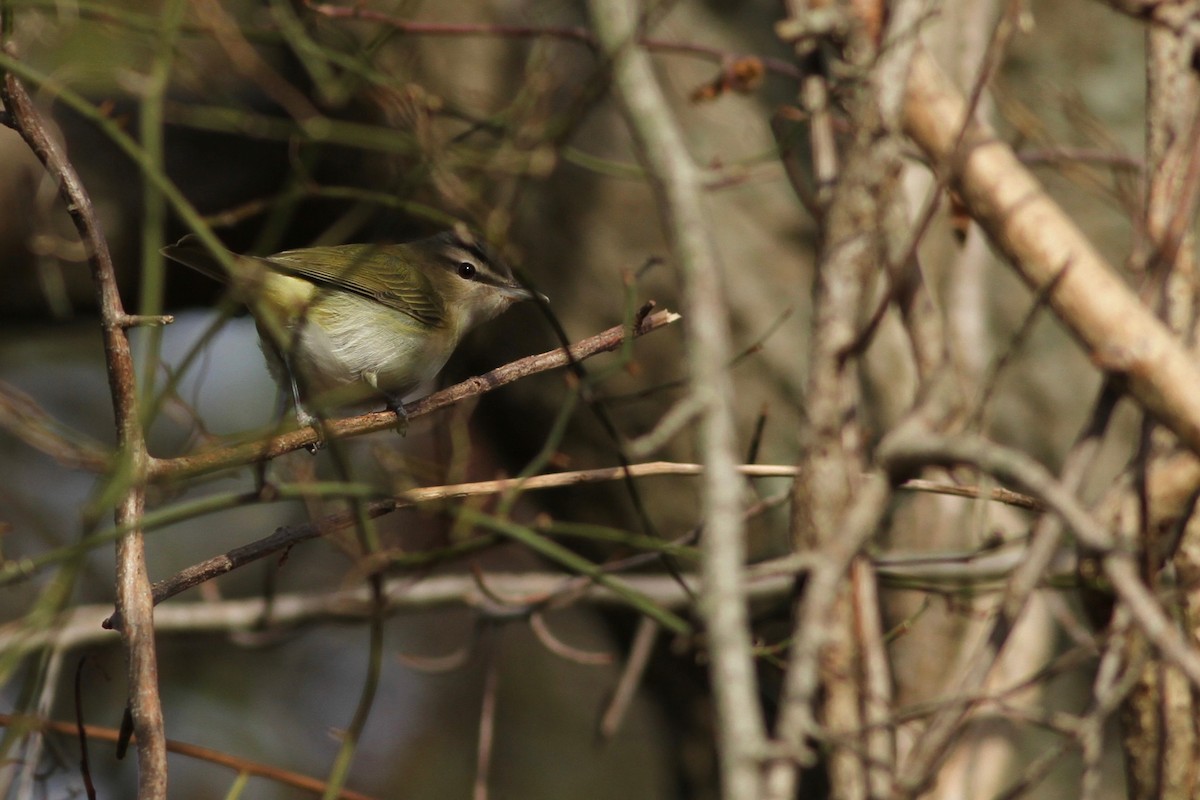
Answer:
(1049, 251)
(176, 469)
(907, 450)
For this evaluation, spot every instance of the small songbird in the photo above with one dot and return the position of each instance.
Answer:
(342, 325)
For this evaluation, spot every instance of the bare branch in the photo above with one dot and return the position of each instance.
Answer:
(911, 449)
(631, 677)
(22, 417)
(581, 35)
(162, 470)
(879, 738)
(132, 582)
(964, 568)
(835, 507)
(1049, 251)
(236, 763)
(678, 184)
(81, 626)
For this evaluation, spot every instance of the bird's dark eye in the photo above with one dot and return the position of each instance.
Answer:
(466, 270)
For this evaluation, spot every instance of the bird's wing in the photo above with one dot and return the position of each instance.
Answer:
(367, 270)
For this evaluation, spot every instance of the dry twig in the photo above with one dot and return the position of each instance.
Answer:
(678, 184)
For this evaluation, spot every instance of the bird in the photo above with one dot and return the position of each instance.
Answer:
(345, 324)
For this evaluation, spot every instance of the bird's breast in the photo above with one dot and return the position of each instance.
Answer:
(344, 339)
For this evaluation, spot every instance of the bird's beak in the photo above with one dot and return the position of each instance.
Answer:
(521, 293)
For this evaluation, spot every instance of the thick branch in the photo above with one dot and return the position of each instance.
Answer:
(1050, 252)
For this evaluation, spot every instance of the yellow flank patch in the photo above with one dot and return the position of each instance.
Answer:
(287, 296)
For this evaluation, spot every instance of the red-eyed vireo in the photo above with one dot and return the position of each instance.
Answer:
(342, 325)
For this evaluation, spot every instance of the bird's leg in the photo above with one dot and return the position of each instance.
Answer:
(397, 404)
(304, 417)
(305, 420)
(394, 402)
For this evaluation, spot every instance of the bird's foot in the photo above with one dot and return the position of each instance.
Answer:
(306, 419)
(397, 405)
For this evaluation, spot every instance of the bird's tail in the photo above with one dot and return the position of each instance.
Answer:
(191, 252)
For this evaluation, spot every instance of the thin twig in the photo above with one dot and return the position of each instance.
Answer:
(879, 736)
(82, 625)
(23, 418)
(572, 34)
(908, 450)
(487, 724)
(938, 737)
(835, 508)
(541, 629)
(677, 183)
(289, 536)
(636, 662)
(162, 470)
(235, 763)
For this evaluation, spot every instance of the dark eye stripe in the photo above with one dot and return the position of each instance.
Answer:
(477, 251)
(487, 269)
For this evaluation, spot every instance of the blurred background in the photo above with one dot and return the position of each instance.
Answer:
(287, 124)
